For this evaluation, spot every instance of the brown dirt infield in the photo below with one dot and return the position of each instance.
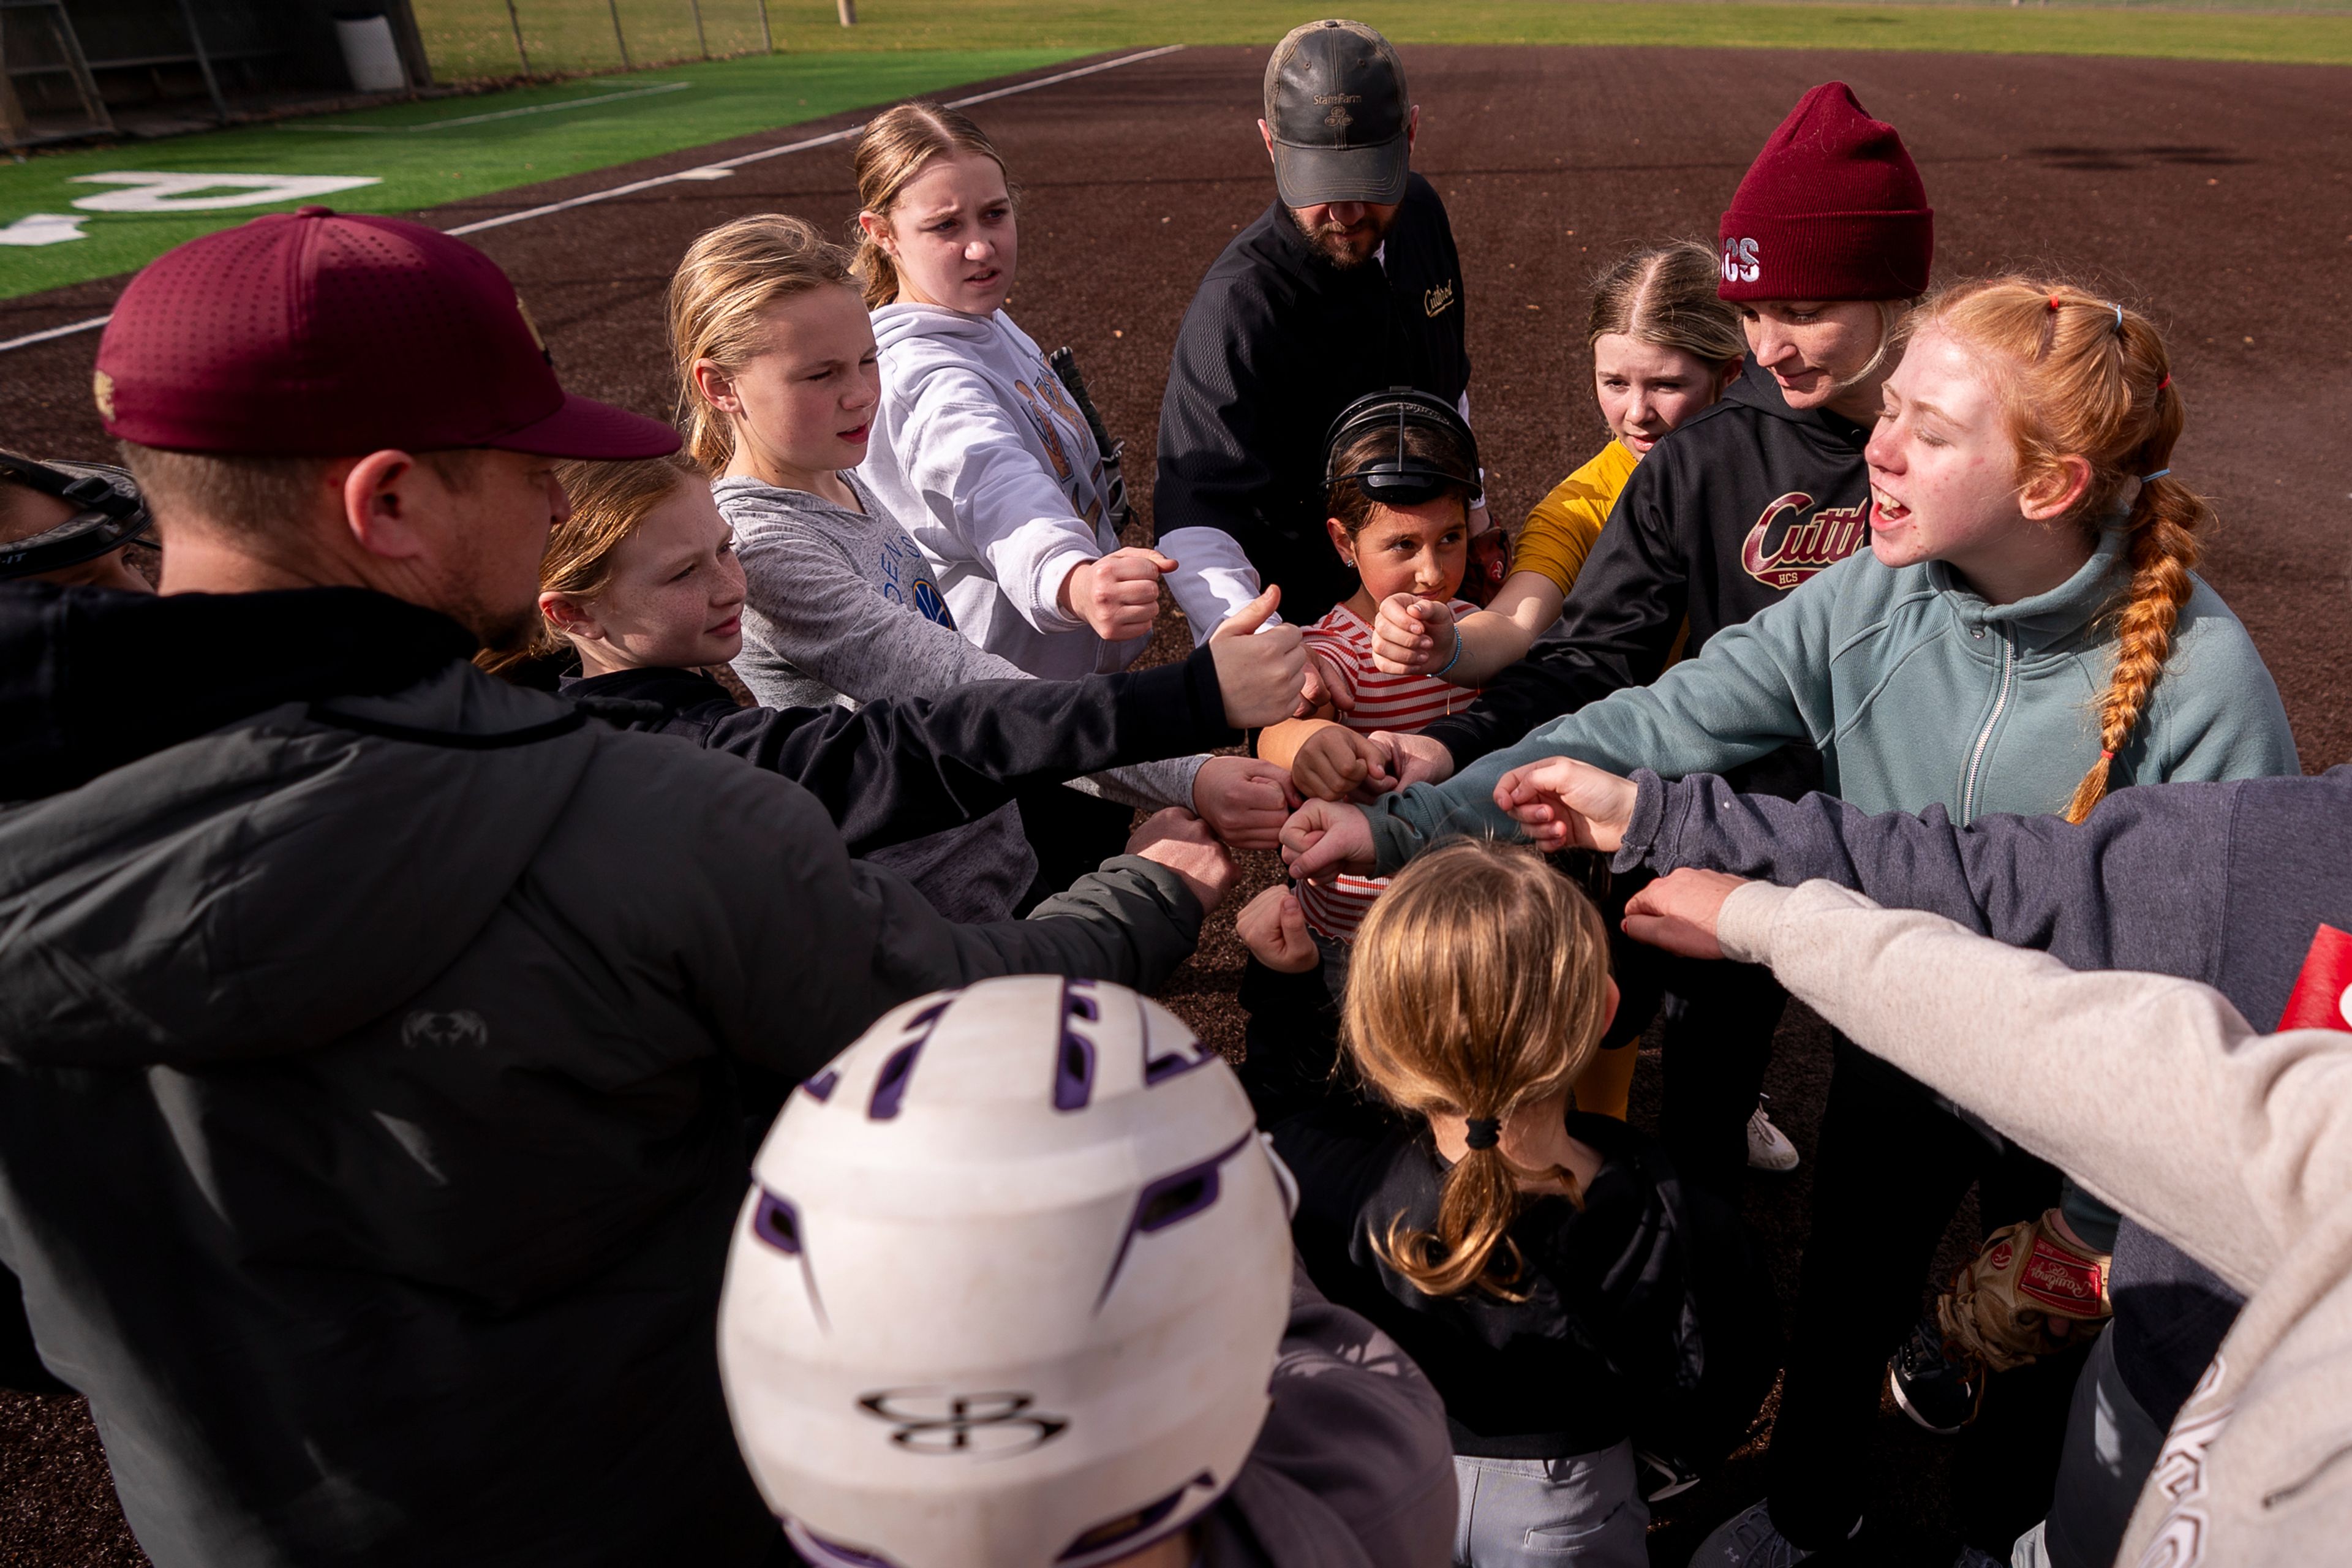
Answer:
(2219, 196)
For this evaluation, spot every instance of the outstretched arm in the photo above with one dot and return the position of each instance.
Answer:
(2139, 884)
(2154, 1092)
(893, 770)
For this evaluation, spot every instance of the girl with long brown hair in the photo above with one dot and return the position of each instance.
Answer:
(1543, 1266)
(2023, 634)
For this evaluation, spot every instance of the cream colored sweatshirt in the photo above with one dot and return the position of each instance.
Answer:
(2155, 1094)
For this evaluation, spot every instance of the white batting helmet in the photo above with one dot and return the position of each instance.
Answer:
(1008, 1287)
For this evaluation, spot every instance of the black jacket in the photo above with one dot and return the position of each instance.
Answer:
(1648, 1311)
(2222, 883)
(1275, 342)
(368, 1136)
(892, 770)
(1725, 516)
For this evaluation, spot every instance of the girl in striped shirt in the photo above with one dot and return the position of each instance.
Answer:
(1403, 469)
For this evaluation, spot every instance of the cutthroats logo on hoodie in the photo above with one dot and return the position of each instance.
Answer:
(1786, 546)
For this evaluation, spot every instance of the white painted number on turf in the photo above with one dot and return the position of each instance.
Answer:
(43, 228)
(189, 192)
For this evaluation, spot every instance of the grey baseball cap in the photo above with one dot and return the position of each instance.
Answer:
(1336, 102)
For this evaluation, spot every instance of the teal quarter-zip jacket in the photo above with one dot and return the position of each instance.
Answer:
(1916, 693)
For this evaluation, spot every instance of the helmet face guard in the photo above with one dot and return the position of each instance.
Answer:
(110, 515)
(1398, 478)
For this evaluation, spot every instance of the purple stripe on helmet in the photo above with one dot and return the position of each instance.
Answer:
(819, 1088)
(831, 1553)
(891, 1084)
(1074, 1057)
(1129, 1533)
(1175, 1064)
(1170, 1200)
(777, 1222)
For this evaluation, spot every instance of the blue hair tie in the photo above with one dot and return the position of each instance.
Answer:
(2120, 321)
(2159, 473)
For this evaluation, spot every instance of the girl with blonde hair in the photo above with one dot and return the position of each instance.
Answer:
(778, 382)
(1544, 1266)
(641, 582)
(2023, 634)
(984, 456)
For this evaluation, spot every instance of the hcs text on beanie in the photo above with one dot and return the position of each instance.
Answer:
(1832, 208)
(315, 334)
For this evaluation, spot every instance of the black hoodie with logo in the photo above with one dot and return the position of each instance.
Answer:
(1726, 515)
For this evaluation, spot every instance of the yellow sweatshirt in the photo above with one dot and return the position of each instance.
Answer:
(1561, 528)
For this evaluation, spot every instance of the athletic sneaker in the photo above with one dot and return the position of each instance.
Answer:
(1747, 1540)
(1768, 1148)
(1942, 1393)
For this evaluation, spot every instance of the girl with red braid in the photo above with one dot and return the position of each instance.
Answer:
(2023, 634)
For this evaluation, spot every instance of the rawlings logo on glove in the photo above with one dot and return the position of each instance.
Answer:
(2028, 1293)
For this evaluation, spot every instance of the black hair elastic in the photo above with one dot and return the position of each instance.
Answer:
(1482, 1132)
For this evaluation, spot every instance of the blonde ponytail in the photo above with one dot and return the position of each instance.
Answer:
(1479, 985)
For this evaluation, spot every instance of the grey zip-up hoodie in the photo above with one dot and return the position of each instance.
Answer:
(983, 457)
(1916, 692)
(369, 1144)
(2160, 1096)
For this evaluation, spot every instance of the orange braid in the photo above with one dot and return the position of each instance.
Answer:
(2163, 552)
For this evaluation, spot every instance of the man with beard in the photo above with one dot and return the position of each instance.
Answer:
(1347, 284)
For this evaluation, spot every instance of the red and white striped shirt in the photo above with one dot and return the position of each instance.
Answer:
(1382, 701)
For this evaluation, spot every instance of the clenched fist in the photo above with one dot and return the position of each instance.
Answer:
(1412, 636)
(1182, 842)
(1275, 930)
(1117, 595)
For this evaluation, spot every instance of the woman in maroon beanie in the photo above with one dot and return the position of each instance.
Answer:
(1826, 244)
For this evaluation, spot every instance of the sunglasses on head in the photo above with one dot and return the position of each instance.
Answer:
(1395, 476)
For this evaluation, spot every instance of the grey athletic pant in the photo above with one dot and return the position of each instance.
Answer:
(1585, 1511)
(2111, 1446)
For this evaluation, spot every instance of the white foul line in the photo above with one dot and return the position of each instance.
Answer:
(483, 119)
(824, 141)
(697, 172)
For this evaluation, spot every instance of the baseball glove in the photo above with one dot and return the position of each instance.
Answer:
(2028, 1294)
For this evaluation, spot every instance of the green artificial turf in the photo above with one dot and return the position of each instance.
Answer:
(474, 36)
(640, 115)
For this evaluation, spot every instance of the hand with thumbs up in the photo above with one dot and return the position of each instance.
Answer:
(1117, 595)
(1259, 666)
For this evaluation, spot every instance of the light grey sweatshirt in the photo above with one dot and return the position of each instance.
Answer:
(987, 462)
(2160, 1098)
(844, 608)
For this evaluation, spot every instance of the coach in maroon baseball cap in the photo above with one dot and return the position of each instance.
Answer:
(371, 1129)
(316, 396)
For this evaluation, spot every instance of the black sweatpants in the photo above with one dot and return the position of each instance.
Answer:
(1719, 1020)
(1892, 1169)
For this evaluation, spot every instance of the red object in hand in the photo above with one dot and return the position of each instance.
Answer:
(2319, 1000)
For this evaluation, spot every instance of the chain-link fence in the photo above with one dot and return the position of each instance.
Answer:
(472, 39)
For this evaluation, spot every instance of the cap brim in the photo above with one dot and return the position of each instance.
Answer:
(1313, 176)
(584, 427)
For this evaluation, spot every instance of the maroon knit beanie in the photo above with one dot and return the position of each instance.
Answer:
(1832, 209)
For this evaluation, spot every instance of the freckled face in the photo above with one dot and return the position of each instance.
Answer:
(1943, 466)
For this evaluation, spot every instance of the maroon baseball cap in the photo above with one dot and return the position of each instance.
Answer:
(313, 333)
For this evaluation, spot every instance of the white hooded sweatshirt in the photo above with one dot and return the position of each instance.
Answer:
(983, 457)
